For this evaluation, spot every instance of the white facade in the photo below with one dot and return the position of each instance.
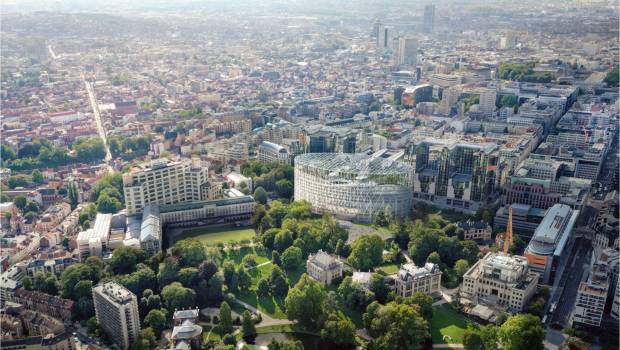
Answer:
(117, 313)
(323, 267)
(500, 280)
(164, 182)
(353, 186)
(270, 152)
(412, 279)
(93, 241)
(407, 51)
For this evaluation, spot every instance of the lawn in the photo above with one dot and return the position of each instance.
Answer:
(215, 235)
(236, 255)
(272, 306)
(388, 269)
(448, 322)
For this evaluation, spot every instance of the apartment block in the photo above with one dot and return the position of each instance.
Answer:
(117, 313)
(164, 182)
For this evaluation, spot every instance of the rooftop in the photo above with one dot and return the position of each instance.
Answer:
(115, 292)
(358, 163)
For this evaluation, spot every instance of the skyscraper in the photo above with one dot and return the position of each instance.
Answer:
(429, 18)
(117, 313)
(407, 51)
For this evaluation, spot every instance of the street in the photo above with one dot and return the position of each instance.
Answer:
(95, 106)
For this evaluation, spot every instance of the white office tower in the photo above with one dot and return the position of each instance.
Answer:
(165, 182)
(487, 101)
(117, 313)
(407, 51)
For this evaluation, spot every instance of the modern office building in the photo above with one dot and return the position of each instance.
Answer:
(353, 186)
(414, 95)
(499, 281)
(94, 241)
(412, 279)
(164, 182)
(454, 174)
(487, 101)
(117, 313)
(324, 267)
(542, 184)
(525, 218)
(328, 139)
(269, 152)
(546, 250)
(429, 18)
(407, 51)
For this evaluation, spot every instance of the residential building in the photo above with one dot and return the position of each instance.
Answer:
(164, 182)
(323, 267)
(45, 303)
(499, 281)
(412, 279)
(598, 290)
(117, 313)
(475, 230)
(64, 341)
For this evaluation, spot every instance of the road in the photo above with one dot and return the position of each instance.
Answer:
(566, 291)
(95, 106)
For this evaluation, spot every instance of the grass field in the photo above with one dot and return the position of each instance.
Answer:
(272, 306)
(236, 255)
(388, 269)
(215, 235)
(448, 322)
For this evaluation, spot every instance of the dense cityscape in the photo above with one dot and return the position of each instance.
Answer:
(366, 174)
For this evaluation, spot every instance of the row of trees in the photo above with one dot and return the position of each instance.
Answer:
(523, 72)
(41, 153)
(522, 331)
(129, 147)
(271, 177)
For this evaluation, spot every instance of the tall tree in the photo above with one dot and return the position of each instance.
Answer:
(366, 252)
(226, 318)
(523, 331)
(305, 302)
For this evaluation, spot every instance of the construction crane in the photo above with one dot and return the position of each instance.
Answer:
(508, 234)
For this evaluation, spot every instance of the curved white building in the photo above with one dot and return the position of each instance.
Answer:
(353, 186)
